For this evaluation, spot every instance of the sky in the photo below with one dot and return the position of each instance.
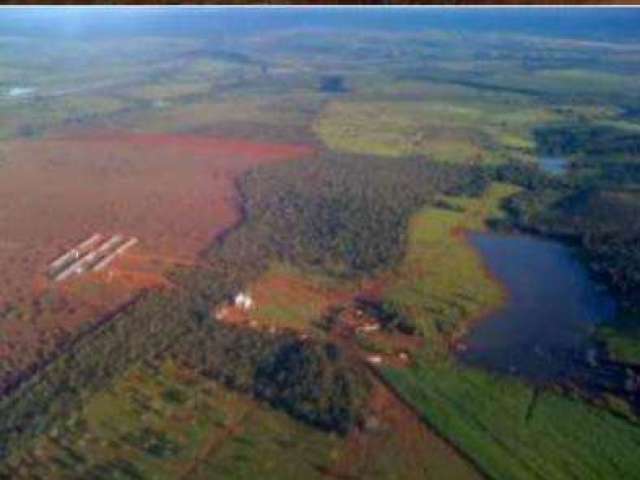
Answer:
(612, 24)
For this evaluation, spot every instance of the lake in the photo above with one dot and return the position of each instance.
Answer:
(552, 306)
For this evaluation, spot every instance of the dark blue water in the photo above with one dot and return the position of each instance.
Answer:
(553, 305)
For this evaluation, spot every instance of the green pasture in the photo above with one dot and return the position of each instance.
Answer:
(447, 131)
(513, 432)
(171, 423)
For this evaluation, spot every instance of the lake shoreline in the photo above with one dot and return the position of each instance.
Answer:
(549, 312)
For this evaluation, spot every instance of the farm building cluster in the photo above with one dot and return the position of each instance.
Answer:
(241, 302)
(93, 254)
(383, 336)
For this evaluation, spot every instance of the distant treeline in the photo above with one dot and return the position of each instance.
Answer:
(586, 139)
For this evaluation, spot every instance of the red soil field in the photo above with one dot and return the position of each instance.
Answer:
(175, 193)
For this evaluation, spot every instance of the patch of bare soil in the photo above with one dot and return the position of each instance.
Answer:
(394, 443)
(173, 192)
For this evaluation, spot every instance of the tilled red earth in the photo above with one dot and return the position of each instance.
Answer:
(175, 193)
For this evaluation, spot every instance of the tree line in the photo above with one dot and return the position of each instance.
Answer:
(586, 138)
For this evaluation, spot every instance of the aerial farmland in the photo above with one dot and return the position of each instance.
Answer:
(324, 244)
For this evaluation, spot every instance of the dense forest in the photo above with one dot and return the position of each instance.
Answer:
(587, 139)
(344, 214)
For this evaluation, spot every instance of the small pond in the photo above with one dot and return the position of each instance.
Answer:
(20, 91)
(552, 306)
(553, 165)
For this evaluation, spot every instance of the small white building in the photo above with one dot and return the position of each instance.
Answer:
(243, 301)
(374, 359)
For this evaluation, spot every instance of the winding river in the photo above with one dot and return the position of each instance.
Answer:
(552, 306)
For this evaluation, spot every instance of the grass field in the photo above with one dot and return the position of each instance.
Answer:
(288, 298)
(21, 121)
(394, 129)
(581, 82)
(171, 424)
(442, 281)
(448, 129)
(199, 76)
(170, 90)
(622, 339)
(515, 433)
(246, 115)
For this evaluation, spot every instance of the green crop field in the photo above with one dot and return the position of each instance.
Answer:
(512, 432)
(447, 130)
(622, 339)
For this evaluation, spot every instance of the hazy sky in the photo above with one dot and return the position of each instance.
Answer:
(601, 23)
